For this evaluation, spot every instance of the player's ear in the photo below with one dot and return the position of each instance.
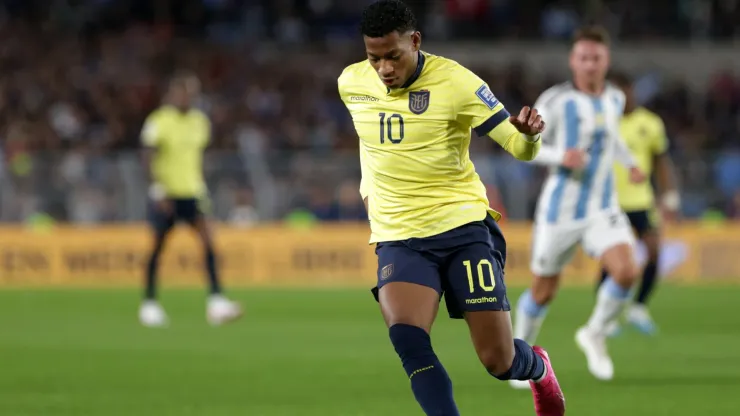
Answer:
(416, 40)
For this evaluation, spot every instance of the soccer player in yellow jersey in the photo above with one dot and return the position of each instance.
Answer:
(429, 216)
(644, 133)
(175, 137)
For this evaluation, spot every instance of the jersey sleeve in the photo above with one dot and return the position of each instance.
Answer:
(364, 181)
(552, 110)
(342, 82)
(476, 106)
(151, 130)
(659, 138)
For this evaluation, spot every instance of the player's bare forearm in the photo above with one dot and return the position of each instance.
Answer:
(667, 184)
(147, 154)
(623, 155)
(665, 174)
(364, 200)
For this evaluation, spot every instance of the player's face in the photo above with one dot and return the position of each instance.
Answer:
(394, 56)
(589, 61)
(184, 92)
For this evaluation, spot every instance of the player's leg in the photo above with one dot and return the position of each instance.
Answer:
(640, 225)
(553, 247)
(408, 292)
(637, 313)
(611, 239)
(162, 219)
(475, 288)
(220, 310)
(603, 275)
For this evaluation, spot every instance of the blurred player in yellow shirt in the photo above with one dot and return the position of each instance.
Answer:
(175, 137)
(435, 234)
(644, 133)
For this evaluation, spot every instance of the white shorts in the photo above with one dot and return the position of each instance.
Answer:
(553, 245)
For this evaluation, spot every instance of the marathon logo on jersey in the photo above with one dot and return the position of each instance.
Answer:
(362, 98)
(485, 95)
(419, 101)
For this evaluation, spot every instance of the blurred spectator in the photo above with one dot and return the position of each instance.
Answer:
(78, 78)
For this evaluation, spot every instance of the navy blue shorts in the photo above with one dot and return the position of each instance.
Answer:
(183, 210)
(641, 221)
(464, 265)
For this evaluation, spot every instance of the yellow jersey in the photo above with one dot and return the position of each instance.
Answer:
(414, 140)
(644, 133)
(180, 139)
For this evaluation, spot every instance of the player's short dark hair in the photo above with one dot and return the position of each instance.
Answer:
(621, 79)
(593, 33)
(181, 77)
(387, 16)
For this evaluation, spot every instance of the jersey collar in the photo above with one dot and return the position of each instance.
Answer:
(415, 75)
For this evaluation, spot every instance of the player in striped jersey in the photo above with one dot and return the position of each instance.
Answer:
(578, 204)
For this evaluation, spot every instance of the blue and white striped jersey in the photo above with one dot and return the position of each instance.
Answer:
(591, 123)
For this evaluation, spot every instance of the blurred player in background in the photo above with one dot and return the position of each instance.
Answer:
(429, 214)
(175, 137)
(644, 133)
(578, 205)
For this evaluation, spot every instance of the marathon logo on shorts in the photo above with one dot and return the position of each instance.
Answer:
(485, 95)
(386, 271)
(481, 300)
(418, 101)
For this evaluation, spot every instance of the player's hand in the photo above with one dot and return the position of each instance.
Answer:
(670, 206)
(528, 122)
(636, 175)
(574, 159)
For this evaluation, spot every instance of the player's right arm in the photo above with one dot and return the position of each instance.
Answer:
(478, 108)
(342, 82)
(151, 138)
(562, 118)
(364, 181)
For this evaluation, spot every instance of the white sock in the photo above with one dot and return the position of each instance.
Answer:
(544, 374)
(609, 304)
(528, 319)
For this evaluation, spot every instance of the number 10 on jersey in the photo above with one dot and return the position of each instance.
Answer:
(387, 127)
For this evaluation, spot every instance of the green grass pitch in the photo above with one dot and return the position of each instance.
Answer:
(311, 353)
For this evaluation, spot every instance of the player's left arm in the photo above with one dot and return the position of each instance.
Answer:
(478, 108)
(665, 172)
(151, 139)
(623, 156)
(622, 153)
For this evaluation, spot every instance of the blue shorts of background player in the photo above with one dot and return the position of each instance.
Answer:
(464, 265)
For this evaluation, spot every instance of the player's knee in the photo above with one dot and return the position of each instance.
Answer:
(544, 289)
(625, 274)
(497, 360)
(410, 341)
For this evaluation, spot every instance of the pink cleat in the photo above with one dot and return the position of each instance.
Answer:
(548, 396)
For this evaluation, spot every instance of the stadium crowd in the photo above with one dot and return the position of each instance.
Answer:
(73, 97)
